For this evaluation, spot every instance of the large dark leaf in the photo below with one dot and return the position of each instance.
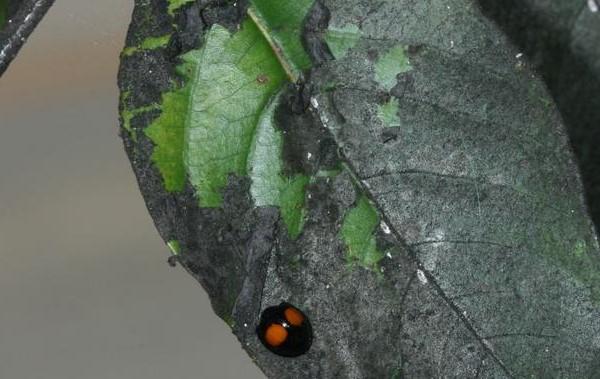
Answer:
(561, 40)
(414, 192)
(18, 18)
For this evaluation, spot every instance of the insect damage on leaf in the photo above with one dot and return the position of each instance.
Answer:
(265, 167)
(167, 131)
(340, 40)
(358, 233)
(176, 4)
(127, 114)
(393, 62)
(388, 113)
(149, 43)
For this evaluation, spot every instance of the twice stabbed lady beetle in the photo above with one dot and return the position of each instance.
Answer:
(285, 330)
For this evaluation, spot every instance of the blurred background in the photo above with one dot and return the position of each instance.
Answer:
(85, 290)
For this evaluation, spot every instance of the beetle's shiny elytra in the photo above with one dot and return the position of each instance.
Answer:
(285, 330)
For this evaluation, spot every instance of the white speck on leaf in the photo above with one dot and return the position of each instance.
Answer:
(314, 102)
(439, 235)
(518, 56)
(498, 179)
(422, 277)
(593, 5)
(389, 255)
(385, 227)
(488, 344)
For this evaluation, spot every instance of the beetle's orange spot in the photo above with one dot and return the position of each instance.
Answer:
(275, 335)
(293, 316)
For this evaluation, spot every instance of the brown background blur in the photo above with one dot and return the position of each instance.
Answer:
(85, 290)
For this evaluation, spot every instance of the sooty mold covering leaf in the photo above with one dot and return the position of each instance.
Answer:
(489, 263)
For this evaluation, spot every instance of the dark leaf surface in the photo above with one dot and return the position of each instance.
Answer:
(444, 231)
(560, 39)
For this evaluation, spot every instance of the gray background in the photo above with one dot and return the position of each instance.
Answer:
(85, 291)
